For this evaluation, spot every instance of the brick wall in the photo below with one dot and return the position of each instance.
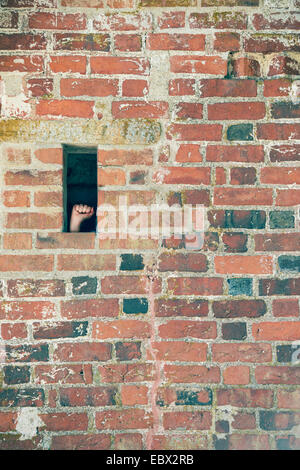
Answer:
(144, 344)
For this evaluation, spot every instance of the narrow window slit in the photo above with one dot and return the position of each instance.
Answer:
(80, 189)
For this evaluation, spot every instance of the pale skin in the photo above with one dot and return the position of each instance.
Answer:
(80, 212)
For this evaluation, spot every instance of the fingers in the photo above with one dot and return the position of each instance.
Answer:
(83, 209)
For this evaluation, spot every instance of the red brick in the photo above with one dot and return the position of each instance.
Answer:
(285, 308)
(180, 175)
(188, 329)
(33, 220)
(175, 41)
(119, 65)
(139, 109)
(8, 421)
(288, 197)
(123, 22)
(276, 21)
(189, 153)
(49, 199)
(132, 88)
(226, 87)
(220, 176)
(213, 65)
(40, 87)
(22, 41)
(48, 20)
(50, 155)
(235, 242)
(81, 441)
(17, 241)
(266, 43)
(63, 374)
(284, 65)
(134, 395)
(276, 331)
(192, 132)
(171, 441)
(192, 262)
(179, 307)
(193, 420)
(227, 42)
(68, 64)
(13, 331)
(88, 87)
(82, 3)
(35, 288)
(245, 397)
(82, 352)
(191, 374)
(189, 110)
(235, 153)
(246, 67)
(182, 86)
(277, 87)
(16, 198)
(196, 286)
(285, 153)
(280, 175)
(30, 310)
(126, 373)
(65, 421)
(236, 111)
(19, 63)
(26, 263)
(111, 177)
(282, 131)
(86, 262)
(123, 419)
(128, 285)
(277, 242)
(67, 108)
(236, 375)
(74, 309)
(65, 240)
(121, 157)
(130, 441)
(242, 196)
(288, 398)
(242, 352)
(121, 329)
(171, 19)
(249, 442)
(33, 178)
(128, 42)
(277, 375)
(185, 351)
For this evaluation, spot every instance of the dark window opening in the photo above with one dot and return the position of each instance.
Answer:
(80, 184)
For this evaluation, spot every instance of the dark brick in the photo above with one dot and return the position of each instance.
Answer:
(128, 351)
(189, 397)
(234, 331)
(131, 262)
(282, 219)
(22, 397)
(240, 132)
(289, 263)
(135, 305)
(241, 176)
(16, 374)
(27, 353)
(283, 109)
(84, 285)
(222, 426)
(288, 353)
(239, 286)
(239, 308)
(250, 219)
(279, 286)
(60, 330)
(273, 420)
(220, 444)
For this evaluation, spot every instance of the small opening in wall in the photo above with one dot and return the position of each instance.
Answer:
(80, 186)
